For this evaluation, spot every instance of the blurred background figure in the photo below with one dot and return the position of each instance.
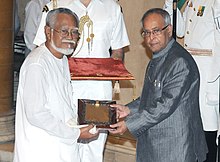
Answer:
(17, 23)
(33, 13)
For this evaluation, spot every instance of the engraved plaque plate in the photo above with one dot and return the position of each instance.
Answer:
(96, 112)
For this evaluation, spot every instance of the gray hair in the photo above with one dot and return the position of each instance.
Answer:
(159, 11)
(52, 16)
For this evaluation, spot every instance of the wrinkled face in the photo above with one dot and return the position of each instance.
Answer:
(63, 36)
(156, 34)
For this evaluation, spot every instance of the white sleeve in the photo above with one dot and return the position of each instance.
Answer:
(36, 109)
(180, 26)
(40, 36)
(32, 11)
(119, 35)
(216, 13)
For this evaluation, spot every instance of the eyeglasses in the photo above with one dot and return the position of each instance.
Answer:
(155, 32)
(66, 33)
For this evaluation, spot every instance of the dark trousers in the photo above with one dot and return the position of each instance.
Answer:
(212, 146)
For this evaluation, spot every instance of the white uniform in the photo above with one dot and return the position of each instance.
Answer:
(201, 33)
(109, 30)
(33, 13)
(17, 23)
(44, 106)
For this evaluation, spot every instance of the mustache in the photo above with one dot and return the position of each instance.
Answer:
(68, 41)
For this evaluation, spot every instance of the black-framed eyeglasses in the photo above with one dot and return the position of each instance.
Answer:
(155, 32)
(66, 33)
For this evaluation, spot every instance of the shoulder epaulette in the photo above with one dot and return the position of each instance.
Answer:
(45, 9)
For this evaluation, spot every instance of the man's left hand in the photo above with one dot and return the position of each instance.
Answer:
(118, 128)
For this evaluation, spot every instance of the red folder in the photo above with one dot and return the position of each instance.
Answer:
(98, 69)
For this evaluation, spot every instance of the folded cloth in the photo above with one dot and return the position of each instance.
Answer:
(98, 69)
(93, 130)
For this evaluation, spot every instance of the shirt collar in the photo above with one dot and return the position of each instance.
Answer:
(165, 50)
(101, 1)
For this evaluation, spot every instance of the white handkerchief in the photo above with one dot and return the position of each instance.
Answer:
(73, 124)
(93, 130)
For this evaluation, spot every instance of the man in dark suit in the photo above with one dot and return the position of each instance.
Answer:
(166, 119)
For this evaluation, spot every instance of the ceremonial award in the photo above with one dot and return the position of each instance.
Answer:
(96, 112)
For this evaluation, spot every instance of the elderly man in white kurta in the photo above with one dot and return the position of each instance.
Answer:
(107, 31)
(45, 113)
(202, 39)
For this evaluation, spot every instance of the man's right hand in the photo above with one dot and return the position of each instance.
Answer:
(85, 134)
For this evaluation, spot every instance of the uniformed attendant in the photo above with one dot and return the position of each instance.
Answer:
(17, 23)
(33, 13)
(202, 40)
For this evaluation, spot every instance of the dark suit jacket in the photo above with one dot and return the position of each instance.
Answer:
(166, 118)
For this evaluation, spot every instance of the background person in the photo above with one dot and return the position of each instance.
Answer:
(17, 24)
(33, 13)
(166, 119)
(45, 113)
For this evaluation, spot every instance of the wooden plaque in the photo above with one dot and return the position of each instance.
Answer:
(96, 112)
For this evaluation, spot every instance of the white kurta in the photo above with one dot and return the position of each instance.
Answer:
(44, 105)
(201, 33)
(109, 30)
(33, 13)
